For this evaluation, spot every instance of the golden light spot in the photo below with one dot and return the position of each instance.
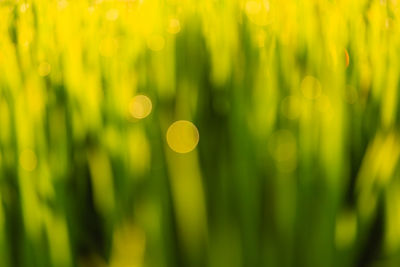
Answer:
(347, 58)
(44, 69)
(23, 8)
(182, 136)
(112, 14)
(140, 106)
(291, 107)
(174, 26)
(28, 160)
(346, 229)
(311, 87)
(155, 42)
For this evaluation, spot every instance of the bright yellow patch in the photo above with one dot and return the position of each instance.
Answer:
(140, 107)
(174, 26)
(182, 136)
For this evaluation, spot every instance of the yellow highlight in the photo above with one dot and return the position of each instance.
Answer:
(182, 136)
(140, 106)
(311, 87)
(174, 26)
(23, 8)
(44, 69)
(155, 42)
(28, 160)
(112, 14)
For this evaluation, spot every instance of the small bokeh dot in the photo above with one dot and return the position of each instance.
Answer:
(140, 107)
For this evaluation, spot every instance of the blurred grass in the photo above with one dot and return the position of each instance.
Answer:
(295, 103)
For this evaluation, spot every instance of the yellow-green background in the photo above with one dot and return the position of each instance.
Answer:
(295, 101)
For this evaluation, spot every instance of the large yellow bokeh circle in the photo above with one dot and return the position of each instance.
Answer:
(182, 136)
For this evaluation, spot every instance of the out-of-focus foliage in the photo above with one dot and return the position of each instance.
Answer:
(168, 133)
